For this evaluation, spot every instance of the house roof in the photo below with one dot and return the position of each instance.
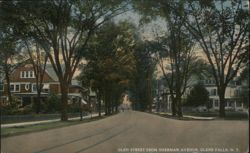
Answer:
(51, 72)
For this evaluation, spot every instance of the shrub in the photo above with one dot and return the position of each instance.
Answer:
(52, 104)
(12, 108)
(199, 96)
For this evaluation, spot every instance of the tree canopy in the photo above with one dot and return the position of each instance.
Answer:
(63, 29)
(110, 68)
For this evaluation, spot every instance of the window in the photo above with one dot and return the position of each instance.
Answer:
(26, 74)
(1, 85)
(32, 74)
(12, 87)
(213, 92)
(238, 104)
(22, 75)
(236, 93)
(45, 88)
(216, 103)
(213, 82)
(34, 88)
(15, 87)
(207, 82)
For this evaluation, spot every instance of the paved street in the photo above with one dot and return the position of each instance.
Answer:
(135, 132)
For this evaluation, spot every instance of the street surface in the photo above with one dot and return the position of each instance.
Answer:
(135, 132)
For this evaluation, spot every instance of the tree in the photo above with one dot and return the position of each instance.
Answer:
(109, 67)
(199, 96)
(7, 53)
(38, 59)
(175, 54)
(63, 29)
(244, 92)
(221, 28)
(141, 85)
(174, 48)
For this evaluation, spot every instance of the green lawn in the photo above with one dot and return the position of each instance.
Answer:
(41, 127)
(202, 114)
(229, 115)
(6, 119)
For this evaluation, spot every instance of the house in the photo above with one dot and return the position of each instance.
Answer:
(233, 101)
(23, 86)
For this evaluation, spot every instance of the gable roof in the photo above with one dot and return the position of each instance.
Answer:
(51, 72)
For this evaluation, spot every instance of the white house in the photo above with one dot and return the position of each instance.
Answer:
(232, 92)
(233, 102)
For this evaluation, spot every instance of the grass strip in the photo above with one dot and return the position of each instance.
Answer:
(229, 115)
(12, 131)
(32, 117)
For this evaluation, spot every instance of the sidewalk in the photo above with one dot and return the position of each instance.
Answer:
(45, 121)
(192, 117)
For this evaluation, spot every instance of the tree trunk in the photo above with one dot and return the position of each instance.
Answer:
(179, 106)
(150, 95)
(64, 102)
(222, 102)
(99, 104)
(173, 106)
(106, 103)
(116, 108)
(149, 90)
(112, 105)
(7, 77)
(116, 105)
(109, 107)
(38, 101)
(109, 104)
(8, 87)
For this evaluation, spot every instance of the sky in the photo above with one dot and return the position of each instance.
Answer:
(159, 25)
(146, 30)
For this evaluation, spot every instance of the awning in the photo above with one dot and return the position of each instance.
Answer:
(46, 86)
(83, 101)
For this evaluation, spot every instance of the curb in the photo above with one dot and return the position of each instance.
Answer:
(190, 117)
